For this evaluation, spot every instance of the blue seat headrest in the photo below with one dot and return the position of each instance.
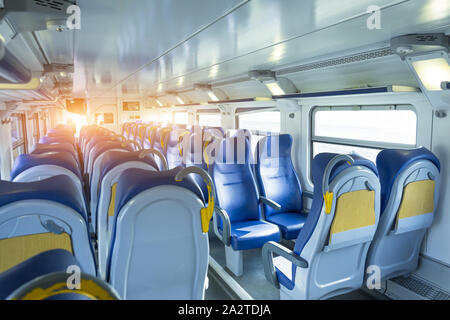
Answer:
(61, 159)
(114, 158)
(99, 139)
(241, 153)
(392, 162)
(44, 148)
(242, 133)
(59, 189)
(47, 262)
(196, 144)
(99, 148)
(264, 146)
(222, 130)
(134, 181)
(319, 164)
(321, 161)
(50, 140)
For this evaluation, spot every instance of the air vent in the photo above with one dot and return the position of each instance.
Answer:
(421, 288)
(365, 56)
(55, 5)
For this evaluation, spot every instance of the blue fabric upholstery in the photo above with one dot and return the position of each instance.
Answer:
(238, 195)
(290, 223)
(105, 146)
(59, 189)
(50, 140)
(253, 234)
(319, 164)
(134, 181)
(42, 264)
(391, 162)
(242, 133)
(161, 135)
(94, 141)
(196, 141)
(115, 158)
(64, 147)
(62, 159)
(278, 181)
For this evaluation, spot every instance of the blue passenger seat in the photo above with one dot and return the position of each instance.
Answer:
(103, 194)
(410, 182)
(240, 225)
(278, 181)
(167, 257)
(40, 216)
(330, 251)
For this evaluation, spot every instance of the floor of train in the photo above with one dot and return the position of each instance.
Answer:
(253, 280)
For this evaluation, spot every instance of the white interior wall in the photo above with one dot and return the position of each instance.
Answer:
(5, 150)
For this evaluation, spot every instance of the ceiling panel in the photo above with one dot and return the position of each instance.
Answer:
(118, 37)
(152, 46)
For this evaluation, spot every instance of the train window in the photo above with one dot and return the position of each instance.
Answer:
(36, 132)
(18, 135)
(209, 119)
(166, 117)
(365, 131)
(181, 117)
(260, 123)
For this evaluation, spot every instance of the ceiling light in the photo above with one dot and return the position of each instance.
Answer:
(180, 101)
(159, 102)
(212, 96)
(432, 72)
(274, 88)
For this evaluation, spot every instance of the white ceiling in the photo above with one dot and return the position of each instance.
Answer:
(145, 47)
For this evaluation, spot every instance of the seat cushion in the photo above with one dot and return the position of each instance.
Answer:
(290, 223)
(253, 234)
(44, 263)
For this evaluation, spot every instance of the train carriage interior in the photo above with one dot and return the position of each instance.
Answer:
(224, 150)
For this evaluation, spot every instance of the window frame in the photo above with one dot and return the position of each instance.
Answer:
(36, 128)
(24, 141)
(357, 142)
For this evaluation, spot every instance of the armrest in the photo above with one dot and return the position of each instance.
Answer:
(226, 225)
(267, 254)
(308, 194)
(270, 203)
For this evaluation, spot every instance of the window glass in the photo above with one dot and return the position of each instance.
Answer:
(166, 117)
(364, 132)
(268, 121)
(181, 118)
(391, 126)
(209, 120)
(18, 138)
(259, 124)
(16, 129)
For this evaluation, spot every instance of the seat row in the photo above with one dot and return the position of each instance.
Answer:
(362, 213)
(136, 207)
(257, 203)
